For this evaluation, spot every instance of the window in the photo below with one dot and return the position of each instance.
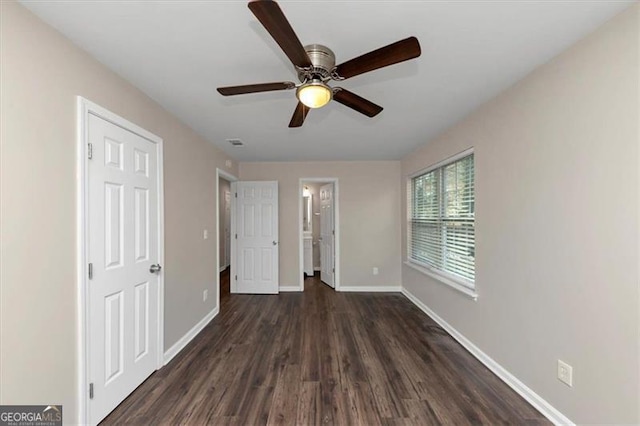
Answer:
(442, 228)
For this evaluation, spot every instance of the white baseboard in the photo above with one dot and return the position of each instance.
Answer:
(371, 288)
(530, 396)
(222, 268)
(317, 268)
(285, 288)
(188, 337)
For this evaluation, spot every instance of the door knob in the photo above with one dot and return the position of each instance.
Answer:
(154, 269)
(275, 243)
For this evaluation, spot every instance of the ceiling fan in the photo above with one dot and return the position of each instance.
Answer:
(315, 65)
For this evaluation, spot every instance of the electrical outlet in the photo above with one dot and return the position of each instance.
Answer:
(205, 234)
(205, 294)
(565, 373)
(375, 270)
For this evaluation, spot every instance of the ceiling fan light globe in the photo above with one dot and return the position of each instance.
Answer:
(314, 95)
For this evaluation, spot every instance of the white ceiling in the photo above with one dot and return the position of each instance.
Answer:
(178, 52)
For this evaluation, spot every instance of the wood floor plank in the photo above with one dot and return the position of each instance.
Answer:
(323, 358)
(309, 407)
(364, 404)
(327, 392)
(256, 406)
(309, 357)
(284, 409)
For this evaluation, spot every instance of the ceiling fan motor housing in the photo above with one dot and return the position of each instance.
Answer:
(323, 61)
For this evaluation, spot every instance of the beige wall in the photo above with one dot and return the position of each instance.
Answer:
(557, 192)
(42, 73)
(369, 215)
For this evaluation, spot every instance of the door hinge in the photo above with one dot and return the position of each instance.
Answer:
(90, 151)
(91, 271)
(333, 232)
(236, 195)
(90, 390)
(236, 236)
(333, 270)
(236, 278)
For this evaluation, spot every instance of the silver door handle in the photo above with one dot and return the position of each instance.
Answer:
(154, 269)
(275, 243)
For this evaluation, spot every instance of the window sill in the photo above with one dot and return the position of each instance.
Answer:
(444, 280)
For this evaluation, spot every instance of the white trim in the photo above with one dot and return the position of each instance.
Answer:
(444, 280)
(223, 268)
(371, 289)
(84, 109)
(444, 162)
(287, 288)
(523, 390)
(81, 256)
(231, 178)
(317, 268)
(336, 225)
(160, 251)
(189, 336)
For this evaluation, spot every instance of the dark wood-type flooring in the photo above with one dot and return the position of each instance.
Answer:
(322, 357)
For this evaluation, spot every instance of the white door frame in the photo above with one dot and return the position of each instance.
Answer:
(84, 109)
(336, 224)
(231, 178)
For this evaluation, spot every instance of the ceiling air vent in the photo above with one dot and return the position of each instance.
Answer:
(235, 142)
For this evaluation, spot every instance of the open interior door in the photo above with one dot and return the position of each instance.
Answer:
(255, 240)
(327, 236)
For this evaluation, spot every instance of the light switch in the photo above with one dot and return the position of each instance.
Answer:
(205, 234)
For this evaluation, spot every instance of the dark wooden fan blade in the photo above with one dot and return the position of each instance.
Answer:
(299, 115)
(394, 53)
(357, 103)
(255, 88)
(273, 20)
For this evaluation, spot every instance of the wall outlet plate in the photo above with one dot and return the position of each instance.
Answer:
(375, 270)
(565, 373)
(205, 295)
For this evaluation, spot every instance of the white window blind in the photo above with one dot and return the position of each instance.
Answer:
(442, 234)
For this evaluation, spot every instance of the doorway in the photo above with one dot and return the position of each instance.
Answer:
(224, 216)
(319, 230)
(224, 209)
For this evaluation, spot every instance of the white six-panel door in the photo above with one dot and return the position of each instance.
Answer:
(327, 235)
(123, 244)
(256, 239)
